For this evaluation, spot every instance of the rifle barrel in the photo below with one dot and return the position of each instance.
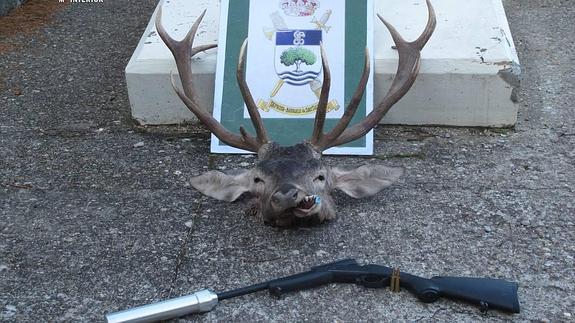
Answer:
(242, 291)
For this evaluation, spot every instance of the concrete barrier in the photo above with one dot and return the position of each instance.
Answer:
(469, 71)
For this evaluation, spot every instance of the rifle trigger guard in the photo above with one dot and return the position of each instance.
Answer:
(372, 281)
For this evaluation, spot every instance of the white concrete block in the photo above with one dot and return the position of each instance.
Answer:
(468, 75)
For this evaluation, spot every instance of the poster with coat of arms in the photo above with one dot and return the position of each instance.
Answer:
(284, 67)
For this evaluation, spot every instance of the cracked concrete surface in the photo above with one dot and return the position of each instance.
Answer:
(93, 222)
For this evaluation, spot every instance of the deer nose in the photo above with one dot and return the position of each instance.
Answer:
(285, 196)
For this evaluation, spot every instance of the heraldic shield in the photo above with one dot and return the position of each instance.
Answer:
(298, 56)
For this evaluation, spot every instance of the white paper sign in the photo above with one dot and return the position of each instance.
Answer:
(284, 70)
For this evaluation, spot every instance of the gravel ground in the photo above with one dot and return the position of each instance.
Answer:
(91, 221)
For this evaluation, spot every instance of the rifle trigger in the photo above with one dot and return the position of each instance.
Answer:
(394, 283)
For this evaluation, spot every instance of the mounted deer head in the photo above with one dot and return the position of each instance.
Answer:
(291, 183)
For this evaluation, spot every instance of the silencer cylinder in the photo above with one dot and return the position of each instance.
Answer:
(199, 302)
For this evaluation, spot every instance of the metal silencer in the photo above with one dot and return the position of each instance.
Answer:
(199, 302)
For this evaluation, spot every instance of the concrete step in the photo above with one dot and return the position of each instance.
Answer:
(469, 72)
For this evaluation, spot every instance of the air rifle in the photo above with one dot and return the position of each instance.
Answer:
(484, 292)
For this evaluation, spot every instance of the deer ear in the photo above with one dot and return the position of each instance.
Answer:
(366, 180)
(223, 187)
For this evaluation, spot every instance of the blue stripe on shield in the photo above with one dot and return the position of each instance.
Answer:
(298, 37)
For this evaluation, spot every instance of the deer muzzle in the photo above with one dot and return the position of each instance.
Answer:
(289, 199)
(286, 196)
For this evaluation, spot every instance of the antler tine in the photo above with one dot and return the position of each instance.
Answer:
(320, 113)
(351, 107)
(407, 70)
(244, 141)
(183, 52)
(431, 23)
(261, 133)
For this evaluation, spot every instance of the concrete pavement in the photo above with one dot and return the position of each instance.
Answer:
(96, 214)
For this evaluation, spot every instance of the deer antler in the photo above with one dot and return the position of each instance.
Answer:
(183, 52)
(321, 111)
(319, 139)
(249, 100)
(407, 70)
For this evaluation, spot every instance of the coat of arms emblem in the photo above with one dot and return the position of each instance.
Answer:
(297, 56)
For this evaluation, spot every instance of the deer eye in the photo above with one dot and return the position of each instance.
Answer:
(320, 178)
(258, 180)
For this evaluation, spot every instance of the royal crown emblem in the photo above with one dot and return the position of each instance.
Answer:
(299, 8)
